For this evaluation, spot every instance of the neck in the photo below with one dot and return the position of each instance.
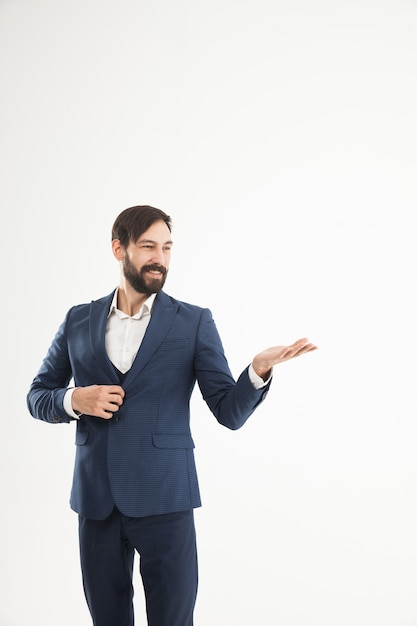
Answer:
(130, 301)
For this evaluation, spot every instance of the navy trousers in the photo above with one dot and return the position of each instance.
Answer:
(168, 566)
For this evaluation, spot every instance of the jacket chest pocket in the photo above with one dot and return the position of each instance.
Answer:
(175, 344)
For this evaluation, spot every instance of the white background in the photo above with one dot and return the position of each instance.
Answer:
(281, 136)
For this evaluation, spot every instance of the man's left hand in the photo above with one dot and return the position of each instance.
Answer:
(264, 361)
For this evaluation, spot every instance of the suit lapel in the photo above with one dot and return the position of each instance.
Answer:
(99, 311)
(162, 318)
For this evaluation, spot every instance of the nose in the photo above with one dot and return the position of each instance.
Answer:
(159, 256)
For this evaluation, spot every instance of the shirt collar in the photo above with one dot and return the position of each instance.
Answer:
(145, 309)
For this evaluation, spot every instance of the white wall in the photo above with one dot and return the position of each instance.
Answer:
(281, 137)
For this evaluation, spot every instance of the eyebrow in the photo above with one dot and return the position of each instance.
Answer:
(154, 242)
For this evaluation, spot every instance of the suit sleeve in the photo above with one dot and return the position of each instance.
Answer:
(231, 402)
(46, 394)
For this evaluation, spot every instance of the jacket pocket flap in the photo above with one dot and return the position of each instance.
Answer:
(81, 437)
(161, 440)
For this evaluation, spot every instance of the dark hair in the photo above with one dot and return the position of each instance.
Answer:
(133, 222)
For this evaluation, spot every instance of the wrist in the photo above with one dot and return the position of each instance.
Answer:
(263, 371)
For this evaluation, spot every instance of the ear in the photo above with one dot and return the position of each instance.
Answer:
(118, 250)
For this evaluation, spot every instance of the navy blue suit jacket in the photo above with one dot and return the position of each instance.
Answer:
(141, 460)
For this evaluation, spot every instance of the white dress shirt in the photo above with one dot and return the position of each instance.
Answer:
(124, 335)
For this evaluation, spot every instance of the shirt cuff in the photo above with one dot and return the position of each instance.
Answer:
(68, 404)
(256, 380)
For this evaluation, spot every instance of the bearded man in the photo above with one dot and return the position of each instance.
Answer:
(135, 356)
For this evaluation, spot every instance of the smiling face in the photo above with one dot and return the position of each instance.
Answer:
(145, 262)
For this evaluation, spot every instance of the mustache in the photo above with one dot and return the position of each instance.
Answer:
(154, 267)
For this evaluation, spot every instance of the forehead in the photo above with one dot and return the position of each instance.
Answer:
(158, 232)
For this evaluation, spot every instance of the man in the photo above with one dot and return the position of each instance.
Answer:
(135, 356)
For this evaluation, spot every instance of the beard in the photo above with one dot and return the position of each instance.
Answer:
(139, 282)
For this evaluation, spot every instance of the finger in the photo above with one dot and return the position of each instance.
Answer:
(307, 348)
(103, 413)
(288, 352)
(300, 342)
(297, 345)
(116, 389)
(112, 406)
(116, 399)
(106, 415)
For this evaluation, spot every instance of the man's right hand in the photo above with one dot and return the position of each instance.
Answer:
(98, 400)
